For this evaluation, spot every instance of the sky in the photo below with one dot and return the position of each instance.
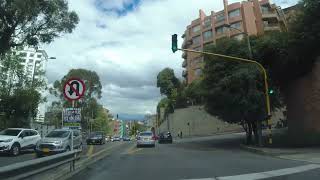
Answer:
(127, 42)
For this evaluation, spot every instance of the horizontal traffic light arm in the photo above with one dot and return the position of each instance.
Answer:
(232, 58)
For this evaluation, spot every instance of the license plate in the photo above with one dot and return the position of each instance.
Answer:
(46, 150)
(146, 139)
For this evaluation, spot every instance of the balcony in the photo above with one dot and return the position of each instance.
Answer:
(270, 15)
(186, 44)
(184, 73)
(184, 63)
(272, 27)
(184, 55)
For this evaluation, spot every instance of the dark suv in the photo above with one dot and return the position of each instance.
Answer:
(96, 138)
(165, 137)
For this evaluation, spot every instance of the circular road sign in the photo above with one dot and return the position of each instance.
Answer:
(74, 89)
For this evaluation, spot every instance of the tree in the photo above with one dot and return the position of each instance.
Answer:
(101, 122)
(34, 21)
(18, 93)
(234, 91)
(168, 83)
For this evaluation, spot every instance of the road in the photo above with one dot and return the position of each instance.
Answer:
(29, 155)
(213, 158)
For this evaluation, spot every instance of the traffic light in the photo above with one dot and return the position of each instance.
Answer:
(271, 91)
(174, 41)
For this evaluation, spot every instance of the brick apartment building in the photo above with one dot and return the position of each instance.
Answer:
(253, 17)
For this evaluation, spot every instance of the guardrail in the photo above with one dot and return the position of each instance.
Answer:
(34, 167)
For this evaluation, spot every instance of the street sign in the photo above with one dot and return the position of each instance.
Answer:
(71, 117)
(74, 89)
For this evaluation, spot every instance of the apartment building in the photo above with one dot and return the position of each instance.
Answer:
(253, 17)
(35, 60)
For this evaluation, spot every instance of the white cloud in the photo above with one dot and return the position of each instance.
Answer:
(126, 51)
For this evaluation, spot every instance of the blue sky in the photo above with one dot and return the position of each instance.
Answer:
(127, 42)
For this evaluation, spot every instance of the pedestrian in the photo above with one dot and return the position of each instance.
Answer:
(180, 134)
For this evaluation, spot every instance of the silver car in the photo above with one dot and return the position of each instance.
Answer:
(146, 139)
(58, 141)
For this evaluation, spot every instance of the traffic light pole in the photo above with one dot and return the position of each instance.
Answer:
(265, 77)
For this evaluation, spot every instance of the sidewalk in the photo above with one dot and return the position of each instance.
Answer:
(311, 155)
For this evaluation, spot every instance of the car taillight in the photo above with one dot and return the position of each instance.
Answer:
(153, 138)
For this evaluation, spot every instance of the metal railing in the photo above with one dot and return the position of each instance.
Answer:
(34, 167)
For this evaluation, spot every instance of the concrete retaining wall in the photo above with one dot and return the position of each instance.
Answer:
(194, 121)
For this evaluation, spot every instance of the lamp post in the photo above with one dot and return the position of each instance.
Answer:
(247, 37)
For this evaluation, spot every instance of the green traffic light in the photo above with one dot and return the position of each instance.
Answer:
(174, 41)
(271, 91)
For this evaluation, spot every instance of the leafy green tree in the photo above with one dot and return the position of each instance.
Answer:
(33, 22)
(234, 91)
(18, 93)
(168, 83)
(101, 122)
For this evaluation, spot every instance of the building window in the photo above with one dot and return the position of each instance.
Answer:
(265, 9)
(207, 45)
(238, 37)
(23, 54)
(207, 35)
(30, 60)
(196, 61)
(196, 29)
(31, 55)
(196, 40)
(236, 25)
(207, 23)
(220, 17)
(234, 13)
(198, 72)
(220, 30)
(39, 56)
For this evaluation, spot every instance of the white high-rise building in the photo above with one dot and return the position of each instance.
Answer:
(35, 60)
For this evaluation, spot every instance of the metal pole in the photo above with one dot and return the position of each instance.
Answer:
(232, 58)
(71, 140)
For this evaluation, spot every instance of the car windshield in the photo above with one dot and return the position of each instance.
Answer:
(146, 134)
(58, 134)
(96, 135)
(10, 132)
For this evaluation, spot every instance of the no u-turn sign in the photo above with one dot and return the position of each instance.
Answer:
(74, 89)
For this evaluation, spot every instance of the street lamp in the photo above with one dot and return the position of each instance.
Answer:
(247, 37)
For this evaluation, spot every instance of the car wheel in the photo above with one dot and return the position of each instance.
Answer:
(15, 149)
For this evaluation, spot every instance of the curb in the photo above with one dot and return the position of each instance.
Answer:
(262, 152)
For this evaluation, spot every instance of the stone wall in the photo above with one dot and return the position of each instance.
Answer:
(303, 104)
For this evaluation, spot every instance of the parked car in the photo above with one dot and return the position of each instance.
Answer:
(165, 137)
(58, 141)
(126, 138)
(96, 138)
(146, 139)
(115, 138)
(13, 140)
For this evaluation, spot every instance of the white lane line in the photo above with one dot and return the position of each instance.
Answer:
(274, 173)
(267, 174)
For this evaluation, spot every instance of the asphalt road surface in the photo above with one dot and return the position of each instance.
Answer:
(205, 159)
(6, 159)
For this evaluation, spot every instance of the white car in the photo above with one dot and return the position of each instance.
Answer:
(146, 139)
(13, 140)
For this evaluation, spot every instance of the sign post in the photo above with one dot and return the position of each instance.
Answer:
(73, 90)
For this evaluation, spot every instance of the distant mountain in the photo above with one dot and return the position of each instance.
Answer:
(130, 117)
